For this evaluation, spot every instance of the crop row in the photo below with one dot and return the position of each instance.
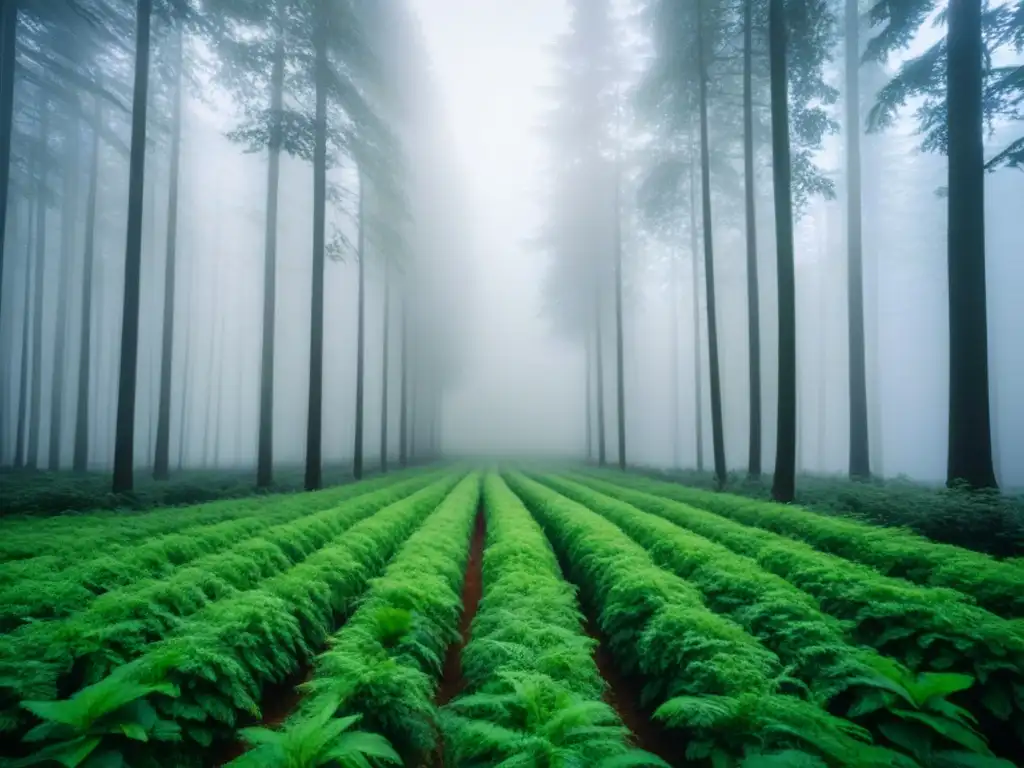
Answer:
(996, 586)
(385, 662)
(49, 658)
(220, 657)
(709, 677)
(534, 691)
(925, 628)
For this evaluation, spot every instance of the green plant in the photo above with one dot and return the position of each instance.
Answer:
(320, 740)
(96, 727)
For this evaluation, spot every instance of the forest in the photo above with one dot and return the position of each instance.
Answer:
(536, 384)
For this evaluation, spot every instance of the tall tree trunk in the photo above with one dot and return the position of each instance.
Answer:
(698, 375)
(8, 63)
(265, 441)
(717, 434)
(80, 461)
(620, 376)
(67, 226)
(162, 450)
(186, 364)
(357, 453)
(753, 291)
(42, 168)
(589, 375)
(675, 342)
(19, 438)
(124, 441)
(314, 427)
(217, 419)
(602, 453)
(403, 405)
(860, 456)
(970, 429)
(784, 483)
(384, 372)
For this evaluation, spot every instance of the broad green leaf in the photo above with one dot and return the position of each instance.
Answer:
(951, 730)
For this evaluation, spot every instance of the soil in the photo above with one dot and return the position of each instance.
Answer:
(623, 694)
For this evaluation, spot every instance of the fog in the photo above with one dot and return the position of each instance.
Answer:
(492, 372)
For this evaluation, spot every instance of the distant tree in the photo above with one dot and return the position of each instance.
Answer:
(361, 255)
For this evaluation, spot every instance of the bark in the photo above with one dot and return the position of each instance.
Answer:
(8, 49)
(970, 430)
(403, 405)
(124, 441)
(162, 450)
(80, 460)
(357, 454)
(698, 377)
(265, 441)
(675, 342)
(42, 170)
(602, 454)
(717, 434)
(860, 456)
(588, 376)
(384, 372)
(67, 226)
(314, 427)
(753, 291)
(784, 483)
(620, 377)
(19, 439)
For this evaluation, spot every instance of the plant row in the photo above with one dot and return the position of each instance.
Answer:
(49, 658)
(708, 676)
(534, 692)
(55, 594)
(925, 628)
(221, 657)
(996, 586)
(384, 664)
(812, 644)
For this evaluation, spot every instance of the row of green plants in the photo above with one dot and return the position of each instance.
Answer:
(45, 659)
(383, 666)
(33, 548)
(996, 586)
(210, 674)
(845, 678)
(707, 676)
(54, 594)
(925, 628)
(534, 693)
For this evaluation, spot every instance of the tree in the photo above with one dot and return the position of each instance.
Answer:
(385, 360)
(8, 63)
(357, 455)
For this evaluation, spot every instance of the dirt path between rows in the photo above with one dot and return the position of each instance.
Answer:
(623, 694)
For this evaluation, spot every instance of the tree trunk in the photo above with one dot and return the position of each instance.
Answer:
(67, 226)
(124, 441)
(80, 461)
(698, 377)
(753, 294)
(43, 168)
(384, 372)
(717, 434)
(784, 483)
(186, 363)
(357, 453)
(8, 63)
(23, 411)
(860, 457)
(265, 441)
(970, 430)
(675, 342)
(314, 427)
(403, 405)
(588, 377)
(602, 455)
(217, 419)
(620, 376)
(162, 451)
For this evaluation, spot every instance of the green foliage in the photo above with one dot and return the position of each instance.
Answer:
(535, 691)
(658, 626)
(926, 628)
(318, 740)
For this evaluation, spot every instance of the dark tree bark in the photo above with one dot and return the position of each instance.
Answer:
(675, 342)
(403, 405)
(753, 295)
(8, 63)
(698, 375)
(970, 430)
(314, 427)
(602, 453)
(717, 433)
(162, 450)
(357, 454)
(265, 441)
(860, 456)
(80, 460)
(67, 226)
(19, 438)
(784, 483)
(620, 377)
(124, 440)
(384, 372)
(42, 169)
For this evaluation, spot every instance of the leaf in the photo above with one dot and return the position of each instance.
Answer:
(790, 758)
(635, 757)
(134, 731)
(366, 744)
(951, 730)
(958, 759)
(929, 685)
